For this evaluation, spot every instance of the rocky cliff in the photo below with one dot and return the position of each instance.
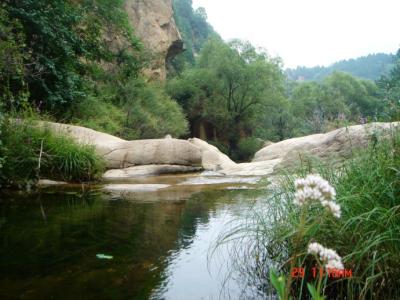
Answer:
(153, 22)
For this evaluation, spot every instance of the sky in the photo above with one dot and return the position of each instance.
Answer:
(309, 32)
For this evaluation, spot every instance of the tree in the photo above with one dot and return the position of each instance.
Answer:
(13, 89)
(317, 106)
(195, 31)
(358, 95)
(230, 86)
(389, 87)
(63, 39)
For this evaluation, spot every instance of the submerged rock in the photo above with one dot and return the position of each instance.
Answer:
(134, 187)
(202, 180)
(261, 168)
(48, 182)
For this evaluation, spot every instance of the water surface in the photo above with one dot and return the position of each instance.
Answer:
(159, 242)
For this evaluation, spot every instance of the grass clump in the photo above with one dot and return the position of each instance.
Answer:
(29, 153)
(366, 236)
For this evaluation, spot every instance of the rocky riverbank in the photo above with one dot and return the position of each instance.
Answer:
(128, 159)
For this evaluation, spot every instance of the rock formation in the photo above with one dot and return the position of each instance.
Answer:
(212, 158)
(334, 146)
(153, 22)
(147, 170)
(169, 155)
(119, 153)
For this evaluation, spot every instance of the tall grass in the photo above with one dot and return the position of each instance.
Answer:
(367, 235)
(29, 153)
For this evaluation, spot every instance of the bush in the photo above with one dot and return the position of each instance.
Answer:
(30, 153)
(131, 110)
(247, 148)
(151, 113)
(98, 115)
(367, 235)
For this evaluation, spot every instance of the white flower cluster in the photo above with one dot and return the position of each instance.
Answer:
(315, 188)
(328, 256)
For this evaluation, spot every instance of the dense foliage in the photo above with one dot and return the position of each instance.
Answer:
(336, 101)
(230, 87)
(366, 67)
(390, 89)
(61, 58)
(60, 41)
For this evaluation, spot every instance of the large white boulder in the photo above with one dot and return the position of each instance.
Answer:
(212, 158)
(156, 151)
(163, 156)
(336, 145)
(103, 142)
(119, 153)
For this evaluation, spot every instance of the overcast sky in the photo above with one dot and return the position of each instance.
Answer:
(309, 32)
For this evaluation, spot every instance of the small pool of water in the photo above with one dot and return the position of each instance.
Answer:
(159, 243)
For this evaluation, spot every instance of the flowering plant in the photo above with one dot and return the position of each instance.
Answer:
(310, 190)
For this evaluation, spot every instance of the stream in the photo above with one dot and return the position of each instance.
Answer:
(80, 242)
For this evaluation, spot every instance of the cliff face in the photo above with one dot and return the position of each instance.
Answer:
(153, 22)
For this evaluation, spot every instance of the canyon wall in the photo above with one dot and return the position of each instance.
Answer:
(153, 22)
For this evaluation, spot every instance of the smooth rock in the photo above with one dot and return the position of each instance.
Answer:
(134, 187)
(280, 149)
(261, 168)
(155, 151)
(174, 155)
(48, 182)
(220, 180)
(146, 170)
(334, 146)
(212, 158)
(119, 153)
(103, 142)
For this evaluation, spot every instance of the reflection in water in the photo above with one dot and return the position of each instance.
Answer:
(187, 267)
(49, 244)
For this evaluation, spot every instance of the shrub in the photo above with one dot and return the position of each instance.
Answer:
(247, 148)
(30, 153)
(131, 110)
(99, 115)
(151, 113)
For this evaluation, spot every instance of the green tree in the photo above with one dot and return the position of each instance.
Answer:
(13, 89)
(358, 95)
(63, 39)
(230, 86)
(195, 31)
(80, 62)
(318, 106)
(389, 87)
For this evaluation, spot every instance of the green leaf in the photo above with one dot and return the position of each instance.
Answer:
(314, 293)
(278, 283)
